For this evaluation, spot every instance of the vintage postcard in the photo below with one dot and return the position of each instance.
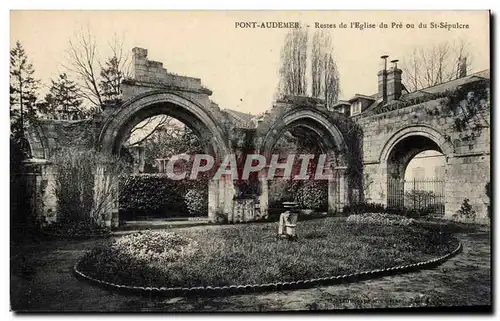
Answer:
(215, 161)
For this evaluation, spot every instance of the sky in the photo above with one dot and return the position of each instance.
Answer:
(241, 65)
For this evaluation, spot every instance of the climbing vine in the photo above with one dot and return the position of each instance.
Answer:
(465, 104)
(384, 108)
(353, 137)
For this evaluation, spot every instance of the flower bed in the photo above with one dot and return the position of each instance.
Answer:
(251, 254)
(78, 229)
(380, 219)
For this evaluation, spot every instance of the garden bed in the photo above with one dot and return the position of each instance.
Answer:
(251, 253)
(75, 230)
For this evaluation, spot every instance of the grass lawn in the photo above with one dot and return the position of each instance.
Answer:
(251, 253)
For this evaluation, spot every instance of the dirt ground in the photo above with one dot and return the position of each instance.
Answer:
(42, 280)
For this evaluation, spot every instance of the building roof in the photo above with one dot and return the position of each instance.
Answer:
(240, 116)
(358, 96)
(341, 103)
(449, 85)
(440, 88)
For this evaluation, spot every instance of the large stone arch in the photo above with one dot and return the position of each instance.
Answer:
(400, 149)
(195, 115)
(310, 118)
(330, 139)
(417, 130)
(189, 111)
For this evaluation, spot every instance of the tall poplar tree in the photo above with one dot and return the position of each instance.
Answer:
(23, 93)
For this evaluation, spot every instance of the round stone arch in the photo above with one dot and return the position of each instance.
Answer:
(330, 140)
(198, 117)
(416, 130)
(314, 120)
(400, 149)
(190, 112)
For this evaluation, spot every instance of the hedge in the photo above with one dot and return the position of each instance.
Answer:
(157, 195)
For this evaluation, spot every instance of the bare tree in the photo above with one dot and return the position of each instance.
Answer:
(292, 73)
(324, 72)
(113, 71)
(98, 78)
(435, 64)
(143, 131)
(84, 63)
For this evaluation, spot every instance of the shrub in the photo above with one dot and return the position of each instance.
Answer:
(156, 194)
(465, 213)
(312, 195)
(359, 208)
(196, 202)
(379, 219)
(81, 228)
(86, 183)
(153, 245)
(307, 194)
(139, 256)
(418, 199)
(414, 212)
(151, 193)
(281, 190)
(220, 217)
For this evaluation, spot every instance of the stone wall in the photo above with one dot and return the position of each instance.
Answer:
(151, 71)
(154, 90)
(467, 151)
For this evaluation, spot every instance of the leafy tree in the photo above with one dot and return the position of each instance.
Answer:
(23, 93)
(63, 94)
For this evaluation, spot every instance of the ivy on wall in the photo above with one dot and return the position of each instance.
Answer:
(353, 137)
(465, 104)
(385, 108)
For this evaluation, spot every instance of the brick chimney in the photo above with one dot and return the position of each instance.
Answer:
(394, 84)
(382, 80)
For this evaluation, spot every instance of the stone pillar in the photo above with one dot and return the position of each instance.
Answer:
(343, 186)
(395, 186)
(221, 198)
(227, 201)
(332, 196)
(213, 200)
(380, 185)
(41, 183)
(106, 198)
(264, 197)
(115, 207)
(139, 160)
